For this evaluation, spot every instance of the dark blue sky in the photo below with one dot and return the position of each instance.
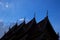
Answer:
(13, 10)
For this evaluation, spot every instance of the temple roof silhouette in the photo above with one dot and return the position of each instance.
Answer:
(32, 31)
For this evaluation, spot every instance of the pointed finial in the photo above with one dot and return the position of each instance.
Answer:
(24, 19)
(9, 28)
(17, 21)
(34, 14)
(47, 13)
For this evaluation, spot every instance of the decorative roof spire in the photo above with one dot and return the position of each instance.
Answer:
(24, 20)
(34, 14)
(9, 27)
(17, 22)
(47, 14)
(46, 18)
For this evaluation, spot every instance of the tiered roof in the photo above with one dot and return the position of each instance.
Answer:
(32, 31)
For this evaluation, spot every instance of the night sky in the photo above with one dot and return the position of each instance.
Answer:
(13, 10)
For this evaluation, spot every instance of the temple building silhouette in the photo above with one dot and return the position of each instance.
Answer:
(32, 31)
